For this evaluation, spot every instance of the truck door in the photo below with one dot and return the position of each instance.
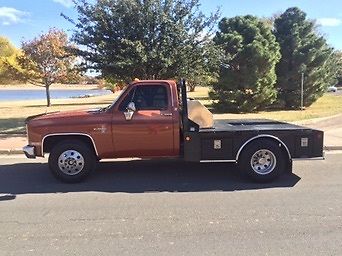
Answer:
(149, 131)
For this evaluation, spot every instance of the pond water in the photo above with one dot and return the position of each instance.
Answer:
(25, 94)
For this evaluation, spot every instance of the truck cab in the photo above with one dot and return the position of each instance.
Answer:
(146, 120)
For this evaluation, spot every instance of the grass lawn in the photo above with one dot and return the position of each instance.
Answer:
(328, 105)
(13, 113)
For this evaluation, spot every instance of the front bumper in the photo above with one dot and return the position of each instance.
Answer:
(29, 151)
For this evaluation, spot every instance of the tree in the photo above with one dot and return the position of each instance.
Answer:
(6, 48)
(46, 60)
(8, 54)
(247, 76)
(337, 56)
(153, 39)
(303, 50)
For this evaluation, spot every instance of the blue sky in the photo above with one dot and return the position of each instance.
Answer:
(25, 19)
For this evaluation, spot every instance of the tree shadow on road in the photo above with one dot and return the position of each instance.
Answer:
(135, 177)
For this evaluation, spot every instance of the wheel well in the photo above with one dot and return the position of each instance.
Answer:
(50, 141)
(272, 139)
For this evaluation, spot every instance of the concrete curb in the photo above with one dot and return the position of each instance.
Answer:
(11, 152)
(331, 148)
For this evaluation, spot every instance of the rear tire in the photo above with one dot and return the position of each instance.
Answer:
(71, 161)
(262, 160)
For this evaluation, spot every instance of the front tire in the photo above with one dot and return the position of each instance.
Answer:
(71, 161)
(262, 160)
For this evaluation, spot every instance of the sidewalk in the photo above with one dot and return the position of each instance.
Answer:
(332, 127)
(12, 144)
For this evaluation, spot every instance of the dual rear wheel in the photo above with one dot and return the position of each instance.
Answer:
(263, 160)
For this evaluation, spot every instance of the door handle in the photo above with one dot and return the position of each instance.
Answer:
(166, 114)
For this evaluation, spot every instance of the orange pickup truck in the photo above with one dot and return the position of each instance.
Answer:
(150, 119)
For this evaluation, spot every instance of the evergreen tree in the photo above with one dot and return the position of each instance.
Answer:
(337, 64)
(247, 76)
(303, 50)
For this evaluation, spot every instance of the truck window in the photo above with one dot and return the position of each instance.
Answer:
(124, 103)
(147, 97)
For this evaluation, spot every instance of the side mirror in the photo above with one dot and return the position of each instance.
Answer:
(130, 111)
(131, 107)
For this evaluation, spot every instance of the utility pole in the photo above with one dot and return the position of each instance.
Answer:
(302, 93)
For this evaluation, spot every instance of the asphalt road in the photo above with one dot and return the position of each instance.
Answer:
(170, 208)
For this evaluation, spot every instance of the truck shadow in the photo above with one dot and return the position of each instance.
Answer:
(135, 177)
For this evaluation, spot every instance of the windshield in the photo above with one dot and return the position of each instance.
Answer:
(115, 100)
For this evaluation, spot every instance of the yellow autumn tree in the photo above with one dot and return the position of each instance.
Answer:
(8, 54)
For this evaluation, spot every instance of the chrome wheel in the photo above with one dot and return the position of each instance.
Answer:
(71, 162)
(263, 161)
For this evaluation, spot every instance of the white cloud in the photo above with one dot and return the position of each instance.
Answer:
(330, 22)
(9, 15)
(66, 3)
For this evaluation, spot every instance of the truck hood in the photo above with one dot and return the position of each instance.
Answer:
(58, 115)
